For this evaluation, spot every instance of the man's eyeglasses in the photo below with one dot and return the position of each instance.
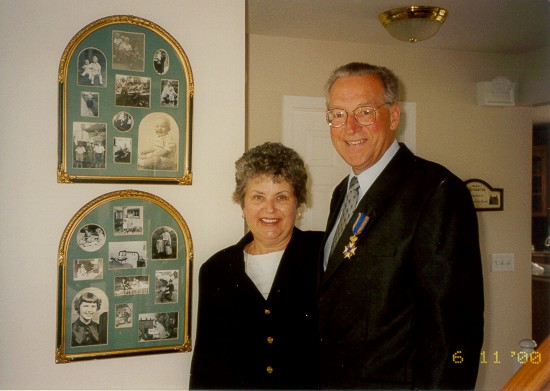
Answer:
(365, 115)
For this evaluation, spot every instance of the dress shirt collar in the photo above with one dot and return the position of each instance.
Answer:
(367, 177)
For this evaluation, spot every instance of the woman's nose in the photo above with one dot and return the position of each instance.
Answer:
(270, 205)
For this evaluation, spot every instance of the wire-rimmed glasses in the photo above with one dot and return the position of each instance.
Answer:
(365, 115)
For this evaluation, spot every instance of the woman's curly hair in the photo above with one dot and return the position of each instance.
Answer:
(273, 160)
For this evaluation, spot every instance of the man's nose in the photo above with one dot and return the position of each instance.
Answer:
(351, 126)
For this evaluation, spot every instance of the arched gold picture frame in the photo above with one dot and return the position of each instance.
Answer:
(124, 279)
(125, 105)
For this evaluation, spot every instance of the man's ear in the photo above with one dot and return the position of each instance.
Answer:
(395, 115)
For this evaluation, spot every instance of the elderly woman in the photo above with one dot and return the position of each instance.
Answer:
(257, 324)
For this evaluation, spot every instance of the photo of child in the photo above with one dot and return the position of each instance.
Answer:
(157, 143)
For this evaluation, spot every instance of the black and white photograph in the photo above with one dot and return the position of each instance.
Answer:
(128, 220)
(127, 255)
(89, 144)
(157, 326)
(131, 285)
(164, 243)
(88, 269)
(89, 104)
(128, 51)
(92, 68)
(89, 317)
(123, 121)
(166, 286)
(161, 62)
(91, 237)
(169, 93)
(122, 150)
(133, 91)
(124, 315)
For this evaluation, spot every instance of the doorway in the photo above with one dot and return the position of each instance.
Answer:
(540, 233)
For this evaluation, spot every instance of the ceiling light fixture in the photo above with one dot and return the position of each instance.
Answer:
(414, 23)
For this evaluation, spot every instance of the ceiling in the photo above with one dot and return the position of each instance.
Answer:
(495, 26)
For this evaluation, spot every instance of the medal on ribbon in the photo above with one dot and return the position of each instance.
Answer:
(358, 227)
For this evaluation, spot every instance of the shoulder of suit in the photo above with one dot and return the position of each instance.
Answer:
(422, 166)
(310, 234)
(223, 257)
(307, 236)
(437, 170)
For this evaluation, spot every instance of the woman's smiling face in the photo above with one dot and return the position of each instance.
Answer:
(270, 209)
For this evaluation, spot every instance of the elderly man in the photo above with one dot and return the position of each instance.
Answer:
(401, 289)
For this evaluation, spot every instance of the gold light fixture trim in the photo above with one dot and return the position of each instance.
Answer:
(414, 23)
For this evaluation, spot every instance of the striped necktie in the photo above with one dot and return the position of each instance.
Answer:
(350, 203)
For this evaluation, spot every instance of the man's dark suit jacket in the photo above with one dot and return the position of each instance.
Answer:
(240, 334)
(406, 311)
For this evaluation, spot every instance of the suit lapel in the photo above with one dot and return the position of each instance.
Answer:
(336, 203)
(373, 204)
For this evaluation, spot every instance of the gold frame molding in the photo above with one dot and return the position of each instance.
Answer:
(154, 215)
(96, 37)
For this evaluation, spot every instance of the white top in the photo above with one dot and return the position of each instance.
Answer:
(262, 269)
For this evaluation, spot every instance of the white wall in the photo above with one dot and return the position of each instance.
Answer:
(35, 209)
(535, 82)
(489, 143)
(541, 114)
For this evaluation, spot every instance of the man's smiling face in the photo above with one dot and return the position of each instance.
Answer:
(362, 146)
